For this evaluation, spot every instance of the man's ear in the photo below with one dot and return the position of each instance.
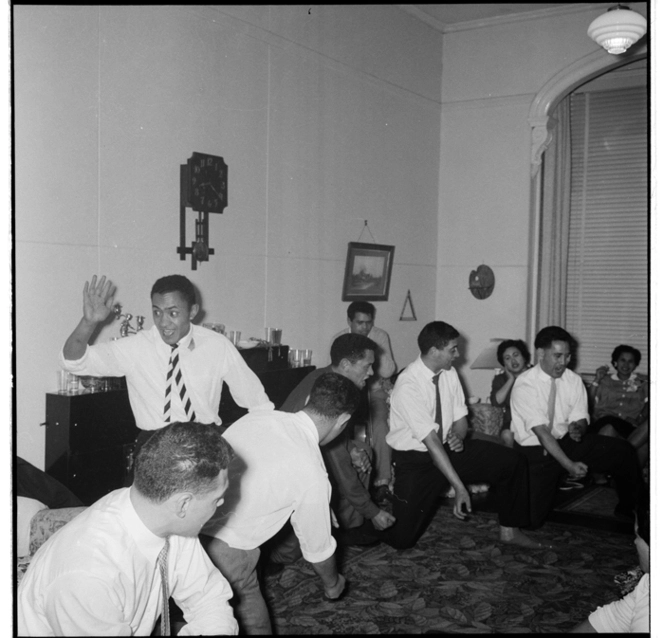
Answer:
(349, 322)
(180, 503)
(540, 354)
(193, 311)
(344, 365)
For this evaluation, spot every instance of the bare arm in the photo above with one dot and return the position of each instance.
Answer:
(501, 394)
(575, 468)
(333, 582)
(442, 462)
(97, 305)
(600, 373)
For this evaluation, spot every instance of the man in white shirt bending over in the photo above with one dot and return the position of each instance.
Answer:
(101, 574)
(281, 476)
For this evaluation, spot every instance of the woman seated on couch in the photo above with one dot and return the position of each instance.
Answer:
(620, 401)
(514, 357)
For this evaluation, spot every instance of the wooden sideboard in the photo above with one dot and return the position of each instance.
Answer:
(90, 437)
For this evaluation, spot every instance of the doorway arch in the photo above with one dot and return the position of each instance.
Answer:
(542, 124)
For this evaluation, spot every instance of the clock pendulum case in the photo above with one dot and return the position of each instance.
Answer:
(204, 189)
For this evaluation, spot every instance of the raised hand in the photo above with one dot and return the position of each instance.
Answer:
(600, 373)
(98, 299)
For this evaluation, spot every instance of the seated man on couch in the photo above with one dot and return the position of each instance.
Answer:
(111, 570)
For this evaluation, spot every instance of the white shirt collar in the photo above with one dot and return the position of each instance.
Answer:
(615, 377)
(148, 543)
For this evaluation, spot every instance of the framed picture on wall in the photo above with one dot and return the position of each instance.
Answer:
(368, 272)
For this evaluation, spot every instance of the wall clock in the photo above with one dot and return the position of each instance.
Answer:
(204, 189)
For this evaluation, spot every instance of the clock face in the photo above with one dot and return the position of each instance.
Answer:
(207, 186)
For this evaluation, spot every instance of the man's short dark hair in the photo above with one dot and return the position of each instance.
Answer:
(618, 350)
(513, 343)
(546, 336)
(175, 283)
(352, 347)
(181, 457)
(436, 334)
(364, 307)
(333, 395)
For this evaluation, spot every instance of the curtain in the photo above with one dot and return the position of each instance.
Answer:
(554, 226)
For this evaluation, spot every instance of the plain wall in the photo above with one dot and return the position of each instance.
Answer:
(326, 117)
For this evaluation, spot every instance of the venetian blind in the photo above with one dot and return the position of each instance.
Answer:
(607, 280)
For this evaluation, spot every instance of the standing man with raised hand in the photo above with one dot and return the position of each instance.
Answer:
(360, 317)
(280, 476)
(175, 370)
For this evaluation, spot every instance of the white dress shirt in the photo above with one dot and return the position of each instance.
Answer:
(413, 406)
(98, 575)
(386, 365)
(284, 475)
(207, 359)
(530, 400)
(629, 615)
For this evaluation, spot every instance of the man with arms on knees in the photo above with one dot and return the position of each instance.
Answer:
(360, 319)
(352, 356)
(101, 574)
(175, 370)
(282, 477)
(549, 420)
(428, 436)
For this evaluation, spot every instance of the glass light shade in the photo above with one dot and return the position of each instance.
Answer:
(487, 358)
(618, 29)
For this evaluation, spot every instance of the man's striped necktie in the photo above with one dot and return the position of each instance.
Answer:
(174, 380)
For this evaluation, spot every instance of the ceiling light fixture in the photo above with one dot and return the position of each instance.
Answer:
(618, 29)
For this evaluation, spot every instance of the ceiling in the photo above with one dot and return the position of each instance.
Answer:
(450, 17)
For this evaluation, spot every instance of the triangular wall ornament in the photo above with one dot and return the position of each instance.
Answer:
(404, 313)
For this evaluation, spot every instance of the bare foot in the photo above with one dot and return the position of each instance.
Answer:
(514, 536)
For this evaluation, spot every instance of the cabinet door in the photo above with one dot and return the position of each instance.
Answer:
(95, 474)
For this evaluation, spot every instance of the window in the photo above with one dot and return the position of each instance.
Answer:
(607, 277)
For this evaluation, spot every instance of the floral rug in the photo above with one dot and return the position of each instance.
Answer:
(458, 579)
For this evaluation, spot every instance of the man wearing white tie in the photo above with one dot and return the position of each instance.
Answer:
(549, 419)
(175, 371)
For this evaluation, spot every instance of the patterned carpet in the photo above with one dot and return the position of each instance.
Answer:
(458, 579)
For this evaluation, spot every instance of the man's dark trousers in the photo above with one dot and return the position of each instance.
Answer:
(602, 454)
(419, 484)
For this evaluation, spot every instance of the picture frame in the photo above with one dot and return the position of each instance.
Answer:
(368, 272)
